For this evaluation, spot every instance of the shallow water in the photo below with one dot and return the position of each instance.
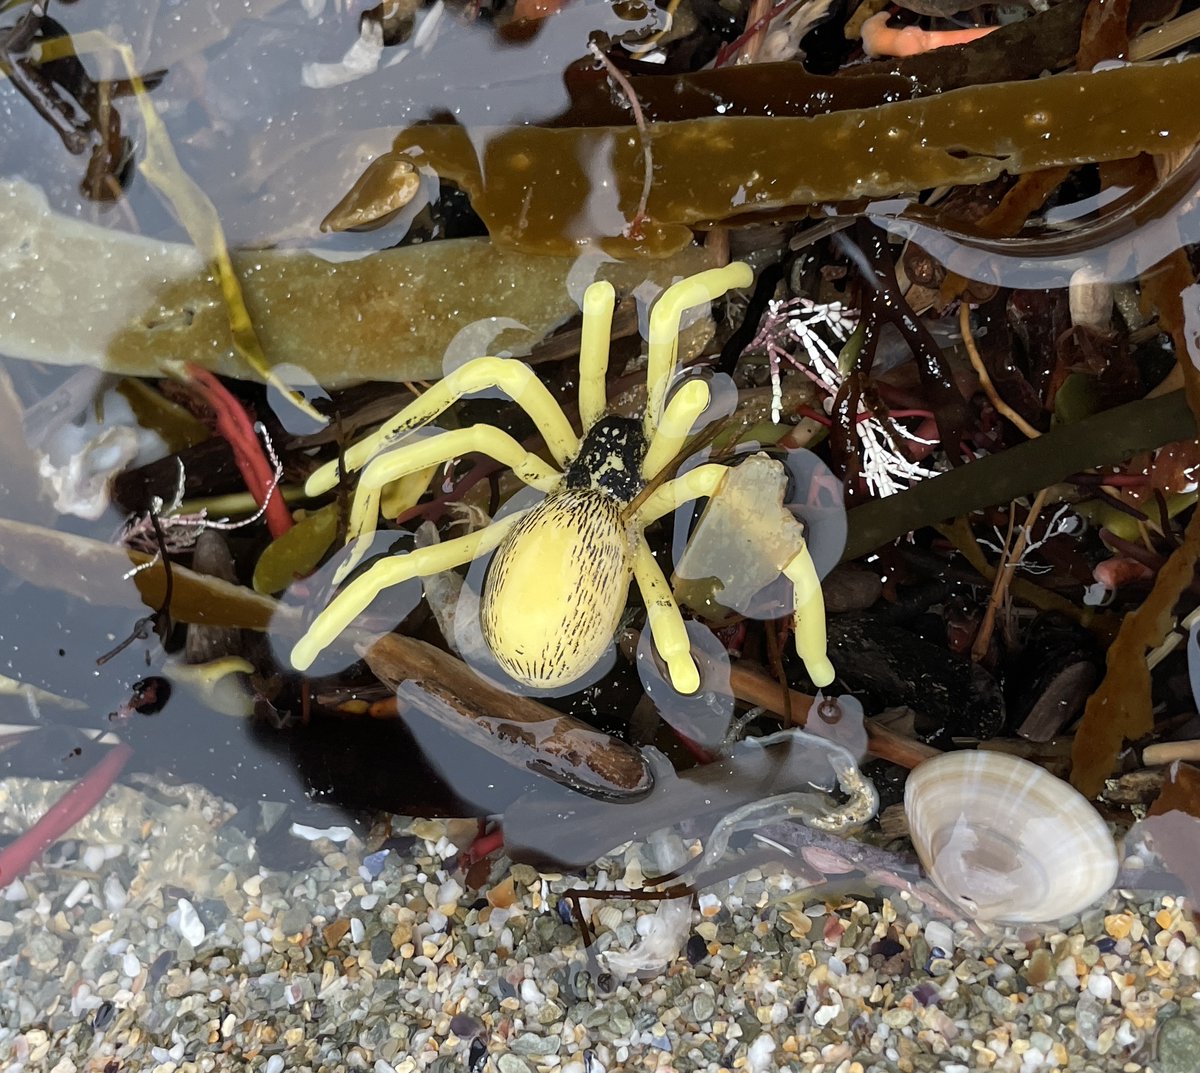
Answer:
(274, 153)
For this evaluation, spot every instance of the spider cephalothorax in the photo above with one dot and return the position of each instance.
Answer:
(558, 582)
(610, 459)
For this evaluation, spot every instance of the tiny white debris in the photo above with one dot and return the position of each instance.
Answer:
(311, 834)
(825, 1014)
(449, 893)
(115, 895)
(80, 997)
(709, 904)
(362, 58)
(76, 894)
(93, 858)
(187, 923)
(1065, 970)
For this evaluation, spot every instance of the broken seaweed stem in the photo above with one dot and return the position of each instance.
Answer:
(634, 227)
(261, 477)
(985, 380)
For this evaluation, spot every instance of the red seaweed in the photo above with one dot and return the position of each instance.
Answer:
(19, 855)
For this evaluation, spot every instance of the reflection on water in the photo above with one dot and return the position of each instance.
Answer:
(206, 853)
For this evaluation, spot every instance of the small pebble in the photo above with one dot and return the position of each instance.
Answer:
(1178, 1045)
(1189, 962)
(187, 922)
(939, 935)
(1101, 986)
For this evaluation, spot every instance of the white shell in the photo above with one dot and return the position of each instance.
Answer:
(1005, 840)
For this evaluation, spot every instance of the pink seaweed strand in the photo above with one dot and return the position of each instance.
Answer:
(17, 857)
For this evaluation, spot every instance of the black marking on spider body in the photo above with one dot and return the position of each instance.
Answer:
(610, 459)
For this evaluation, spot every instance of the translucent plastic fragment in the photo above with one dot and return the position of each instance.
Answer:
(791, 767)
(733, 557)
(669, 927)
(702, 716)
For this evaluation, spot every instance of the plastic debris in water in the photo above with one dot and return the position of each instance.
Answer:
(668, 928)
(840, 719)
(735, 554)
(703, 716)
(789, 773)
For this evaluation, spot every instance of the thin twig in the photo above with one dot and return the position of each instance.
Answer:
(1004, 578)
(635, 225)
(1002, 407)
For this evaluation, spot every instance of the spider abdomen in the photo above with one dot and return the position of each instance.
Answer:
(557, 586)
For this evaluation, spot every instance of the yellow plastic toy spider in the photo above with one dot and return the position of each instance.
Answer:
(558, 583)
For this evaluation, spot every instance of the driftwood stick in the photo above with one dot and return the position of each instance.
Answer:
(518, 729)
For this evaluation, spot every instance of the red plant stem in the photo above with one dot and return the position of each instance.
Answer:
(823, 418)
(236, 428)
(436, 507)
(17, 857)
(482, 846)
(728, 51)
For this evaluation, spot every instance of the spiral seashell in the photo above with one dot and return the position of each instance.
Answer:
(1005, 840)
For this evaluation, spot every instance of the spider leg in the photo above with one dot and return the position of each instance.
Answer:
(433, 451)
(663, 350)
(686, 405)
(808, 604)
(698, 483)
(665, 621)
(598, 302)
(808, 607)
(354, 599)
(514, 378)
